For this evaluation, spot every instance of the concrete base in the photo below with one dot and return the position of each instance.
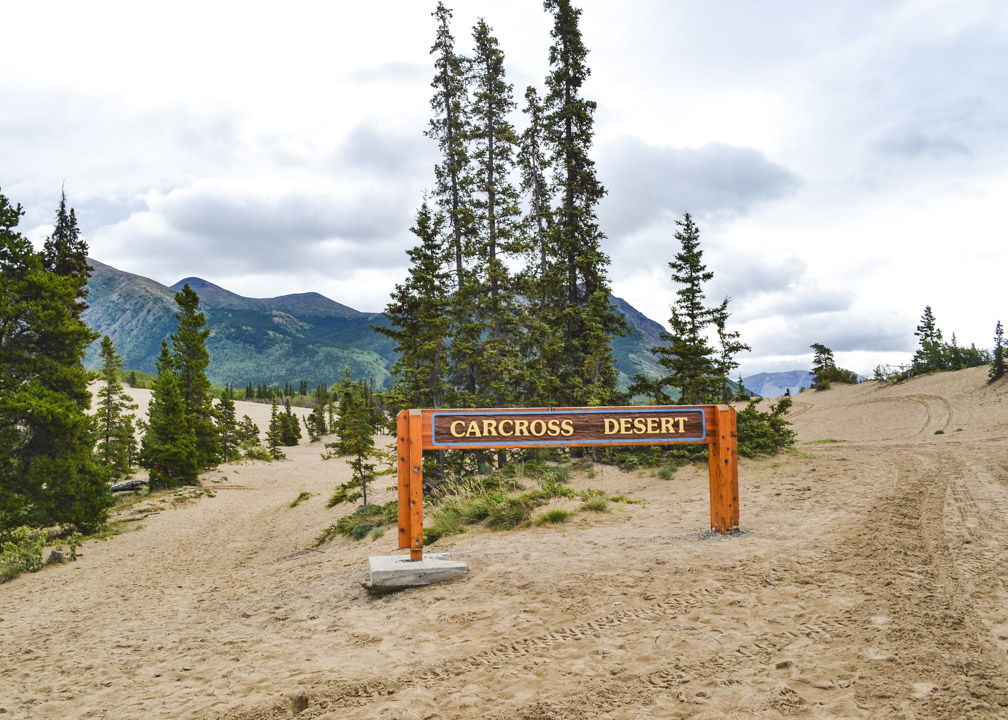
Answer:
(390, 573)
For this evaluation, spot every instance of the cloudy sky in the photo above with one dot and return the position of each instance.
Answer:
(847, 162)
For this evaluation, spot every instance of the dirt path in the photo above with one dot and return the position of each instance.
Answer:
(869, 582)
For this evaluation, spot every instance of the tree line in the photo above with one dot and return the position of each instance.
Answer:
(933, 354)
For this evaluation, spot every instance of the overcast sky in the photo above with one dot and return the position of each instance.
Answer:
(847, 162)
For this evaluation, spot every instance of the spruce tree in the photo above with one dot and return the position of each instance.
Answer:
(65, 253)
(47, 471)
(586, 321)
(291, 428)
(541, 341)
(692, 363)
(823, 366)
(419, 321)
(997, 369)
(274, 433)
(357, 442)
(115, 425)
(931, 353)
(497, 221)
(450, 127)
(168, 448)
(227, 426)
(190, 360)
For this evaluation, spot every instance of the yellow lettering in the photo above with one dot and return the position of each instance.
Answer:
(489, 427)
(625, 426)
(521, 427)
(454, 428)
(567, 428)
(537, 428)
(500, 428)
(473, 430)
(611, 426)
(682, 424)
(667, 426)
(652, 425)
(639, 426)
(554, 427)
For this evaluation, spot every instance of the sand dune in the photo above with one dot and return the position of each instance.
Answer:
(869, 582)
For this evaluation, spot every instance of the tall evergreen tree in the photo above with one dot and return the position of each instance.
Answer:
(453, 189)
(497, 220)
(586, 320)
(65, 253)
(168, 448)
(419, 323)
(541, 342)
(47, 471)
(448, 126)
(691, 361)
(115, 426)
(190, 360)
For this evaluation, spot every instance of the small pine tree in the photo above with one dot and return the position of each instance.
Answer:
(274, 434)
(290, 427)
(822, 366)
(932, 353)
(997, 369)
(357, 442)
(227, 426)
(168, 448)
(824, 370)
(115, 424)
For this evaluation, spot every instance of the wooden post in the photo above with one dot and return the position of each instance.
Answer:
(723, 449)
(416, 484)
(403, 454)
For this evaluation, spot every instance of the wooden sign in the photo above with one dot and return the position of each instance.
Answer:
(419, 430)
(581, 427)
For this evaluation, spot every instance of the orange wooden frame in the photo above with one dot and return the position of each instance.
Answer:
(415, 433)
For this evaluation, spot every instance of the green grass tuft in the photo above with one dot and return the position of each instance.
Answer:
(304, 495)
(554, 517)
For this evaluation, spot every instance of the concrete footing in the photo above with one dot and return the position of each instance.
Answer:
(390, 573)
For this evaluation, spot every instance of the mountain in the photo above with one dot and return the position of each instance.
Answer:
(276, 340)
(770, 385)
(284, 339)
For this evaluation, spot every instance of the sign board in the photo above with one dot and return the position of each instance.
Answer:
(471, 429)
(545, 428)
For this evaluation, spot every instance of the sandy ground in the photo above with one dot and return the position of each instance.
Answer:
(868, 582)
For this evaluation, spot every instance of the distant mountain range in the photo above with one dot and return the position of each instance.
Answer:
(297, 337)
(771, 385)
(277, 340)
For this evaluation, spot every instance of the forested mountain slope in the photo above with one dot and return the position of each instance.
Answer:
(276, 340)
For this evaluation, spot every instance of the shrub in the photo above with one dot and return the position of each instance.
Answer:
(362, 521)
(596, 503)
(765, 433)
(554, 517)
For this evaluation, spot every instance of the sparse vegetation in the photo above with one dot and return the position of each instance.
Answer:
(302, 496)
(555, 516)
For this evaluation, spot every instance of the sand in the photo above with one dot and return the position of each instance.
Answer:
(868, 582)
